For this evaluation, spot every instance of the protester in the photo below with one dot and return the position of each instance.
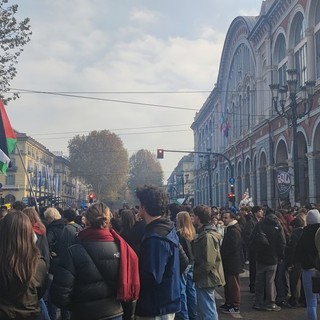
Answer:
(268, 245)
(23, 273)
(158, 259)
(54, 231)
(40, 231)
(208, 270)
(94, 275)
(186, 234)
(42, 243)
(70, 230)
(3, 211)
(293, 265)
(18, 205)
(233, 263)
(127, 222)
(55, 226)
(134, 234)
(307, 255)
(255, 216)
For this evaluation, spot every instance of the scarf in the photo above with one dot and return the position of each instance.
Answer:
(95, 235)
(38, 229)
(129, 281)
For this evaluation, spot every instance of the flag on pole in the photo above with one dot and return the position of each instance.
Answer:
(8, 139)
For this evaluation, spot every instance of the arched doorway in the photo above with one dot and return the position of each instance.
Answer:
(303, 169)
(239, 192)
(247, 176)
(263, 180)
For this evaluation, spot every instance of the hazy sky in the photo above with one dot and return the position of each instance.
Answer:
(151, 52)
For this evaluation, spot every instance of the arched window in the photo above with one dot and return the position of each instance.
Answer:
(300, 48)
(240, 115)
(299, 28)
(280, 55)
(241, 69)
(248, 111)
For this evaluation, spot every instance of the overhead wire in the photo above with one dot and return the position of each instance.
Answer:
(107, 100)
(78, 95)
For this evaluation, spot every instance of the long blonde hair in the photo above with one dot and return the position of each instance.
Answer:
(34, 218)
(185, 226)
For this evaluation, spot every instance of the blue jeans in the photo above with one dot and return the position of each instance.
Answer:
(44, 315)
(207, 309)
(188, 296)
(311, 298)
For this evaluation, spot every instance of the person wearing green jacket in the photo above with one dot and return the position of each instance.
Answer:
(208, 270)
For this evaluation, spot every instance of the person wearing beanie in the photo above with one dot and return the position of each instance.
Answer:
(307, 255)
(313, 216)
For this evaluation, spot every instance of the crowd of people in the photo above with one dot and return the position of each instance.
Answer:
(156, 261)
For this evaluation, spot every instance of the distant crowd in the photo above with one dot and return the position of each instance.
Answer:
(155, 261)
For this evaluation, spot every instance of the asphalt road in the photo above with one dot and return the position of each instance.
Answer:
(246, 311)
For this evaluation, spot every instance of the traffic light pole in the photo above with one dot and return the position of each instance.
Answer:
(206, 153)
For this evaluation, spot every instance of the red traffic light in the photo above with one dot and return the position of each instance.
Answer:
(91, 196)
(231, 196)
(160, 153)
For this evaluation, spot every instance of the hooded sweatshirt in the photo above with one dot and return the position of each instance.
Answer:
(271, 254)
(159, 270)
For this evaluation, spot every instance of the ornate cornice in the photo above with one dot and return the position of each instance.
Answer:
(268, 21)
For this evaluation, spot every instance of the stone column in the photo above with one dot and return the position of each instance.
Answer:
(258, 200)
(310, 54)
(290, 54)
(312, 176)
(270, 187)
(291, 194)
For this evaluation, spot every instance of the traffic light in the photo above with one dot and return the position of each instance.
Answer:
(231, 197)
(91, 196)
(231, 194)
(160, 153)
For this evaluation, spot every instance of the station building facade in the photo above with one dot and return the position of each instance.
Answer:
(239, 119)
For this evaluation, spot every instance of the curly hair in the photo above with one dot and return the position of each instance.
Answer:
(203, 213)
(153, 199)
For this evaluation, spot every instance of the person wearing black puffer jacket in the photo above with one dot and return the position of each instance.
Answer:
(94, 275)
(233, 262)
(267, 256)
(306, 253)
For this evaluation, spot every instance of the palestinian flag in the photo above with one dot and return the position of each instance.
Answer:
(8, 139)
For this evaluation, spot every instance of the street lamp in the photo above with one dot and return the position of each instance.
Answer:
(292, 112)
